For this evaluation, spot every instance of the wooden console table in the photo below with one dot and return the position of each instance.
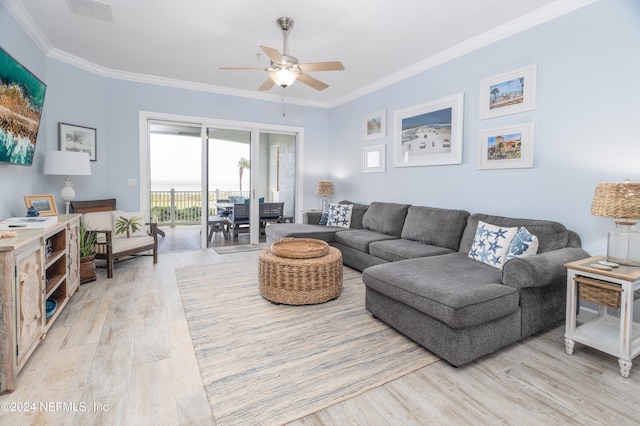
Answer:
(37, 265)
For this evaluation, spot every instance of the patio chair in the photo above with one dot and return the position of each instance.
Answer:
(100, 216)
(238, 220)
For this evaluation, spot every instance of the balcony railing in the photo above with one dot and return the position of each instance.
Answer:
(183, 207)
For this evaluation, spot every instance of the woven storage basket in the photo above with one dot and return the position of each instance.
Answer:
(600, 292)
(295, 281)
(299, 248)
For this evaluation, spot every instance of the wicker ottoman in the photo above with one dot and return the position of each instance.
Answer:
(300, 271)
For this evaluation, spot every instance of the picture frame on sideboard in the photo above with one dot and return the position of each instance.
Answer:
(45, 204)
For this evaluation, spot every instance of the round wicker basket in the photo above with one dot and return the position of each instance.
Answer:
(300, 248)
(295, 281)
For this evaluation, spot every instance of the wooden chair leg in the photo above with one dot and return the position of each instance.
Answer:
(109, 263)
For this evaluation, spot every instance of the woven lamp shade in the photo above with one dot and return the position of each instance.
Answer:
(617, 200)
(324, 187)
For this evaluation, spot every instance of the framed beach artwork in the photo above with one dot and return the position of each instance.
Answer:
(507, 147)
(508, 93)
(78, 139)
(45, 204)
(429, 134)
(22, 100)
(374, 159)
(375, 125)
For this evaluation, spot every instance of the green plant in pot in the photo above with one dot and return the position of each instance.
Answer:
(87, 254)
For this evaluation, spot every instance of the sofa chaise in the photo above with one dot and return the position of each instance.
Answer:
(428, 274)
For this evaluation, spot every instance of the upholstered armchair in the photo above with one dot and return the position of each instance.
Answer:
(120, 234)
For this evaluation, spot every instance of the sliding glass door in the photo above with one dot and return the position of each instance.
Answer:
(250, 184)
(238, 178)
(277, 180)
(175, 183)
(229, 192)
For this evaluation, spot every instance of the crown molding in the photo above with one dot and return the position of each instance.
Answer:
(509, 29)
(77, 62)
(27, 23)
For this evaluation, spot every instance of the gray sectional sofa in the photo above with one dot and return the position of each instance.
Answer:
(421, 281)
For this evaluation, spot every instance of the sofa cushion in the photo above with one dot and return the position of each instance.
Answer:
(523, 244)
(135, 220)
(275, 231)
(387, 218)
(124, 244)
(359, 239)
(551, 235)
(340, 215)
(99, 221)
(324, 217)
(439, 227)
(394, 250)
(491, 244)
(452, 288)
(357, 213)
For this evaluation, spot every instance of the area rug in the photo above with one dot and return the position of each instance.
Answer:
(268, 364)
(239, 248)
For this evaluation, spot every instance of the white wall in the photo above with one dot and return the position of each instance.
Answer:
(586, 125)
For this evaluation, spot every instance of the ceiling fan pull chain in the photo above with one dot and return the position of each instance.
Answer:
(284, 100)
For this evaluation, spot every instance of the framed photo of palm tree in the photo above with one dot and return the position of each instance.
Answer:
(77, 138)
(508, 93)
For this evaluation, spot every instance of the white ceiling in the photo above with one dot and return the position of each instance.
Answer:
(182, 43)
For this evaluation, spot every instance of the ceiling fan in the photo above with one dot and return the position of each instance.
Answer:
(285, 69)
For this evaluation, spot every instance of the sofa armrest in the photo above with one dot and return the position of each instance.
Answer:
(312, 217)
(541, 269)
(104, 241)
(153, 230)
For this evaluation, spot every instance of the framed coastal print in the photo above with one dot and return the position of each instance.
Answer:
(77, 138)
(429, 134)
(507, 147)
(22, 95)
(373, 159)
(375, 125)
(45, 204)
(508, 93)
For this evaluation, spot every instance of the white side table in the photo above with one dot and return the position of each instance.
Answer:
(615, 335)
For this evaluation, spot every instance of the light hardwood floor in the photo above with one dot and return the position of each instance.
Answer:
(121, 354)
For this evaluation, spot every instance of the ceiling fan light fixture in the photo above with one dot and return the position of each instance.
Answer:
(283, 77)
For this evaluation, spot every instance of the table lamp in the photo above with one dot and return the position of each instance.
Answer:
(67, 163)
(620, 201)
(324, 188)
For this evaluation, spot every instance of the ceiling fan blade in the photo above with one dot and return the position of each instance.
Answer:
(322, 66)
(273, 54)
(244, 68)
(268, 84)
(310, 81)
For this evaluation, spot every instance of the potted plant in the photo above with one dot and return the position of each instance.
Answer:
(87, 255)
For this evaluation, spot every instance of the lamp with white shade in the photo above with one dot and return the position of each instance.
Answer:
(67, 163)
